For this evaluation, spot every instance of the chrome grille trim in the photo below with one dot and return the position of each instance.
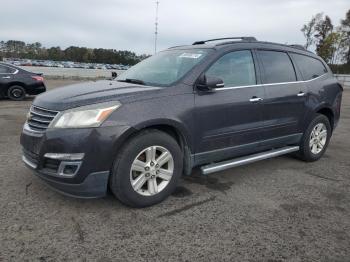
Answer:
(28, 162)
(40, 118)
(39, 114)
(30, 158)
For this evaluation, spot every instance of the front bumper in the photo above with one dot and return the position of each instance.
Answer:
(94, 185)
(99, 147)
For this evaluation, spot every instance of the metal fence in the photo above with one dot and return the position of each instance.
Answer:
(344, 80)
(54, 72)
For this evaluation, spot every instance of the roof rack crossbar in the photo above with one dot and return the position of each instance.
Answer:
(243, 38)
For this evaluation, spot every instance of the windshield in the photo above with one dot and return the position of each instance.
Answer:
(164, 68)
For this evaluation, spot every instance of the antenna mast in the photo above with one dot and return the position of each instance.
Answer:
(156, 28)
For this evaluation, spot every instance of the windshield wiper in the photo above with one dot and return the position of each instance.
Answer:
(134, 81)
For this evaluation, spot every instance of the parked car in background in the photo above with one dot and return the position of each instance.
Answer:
(214, 105)
(16, 83)
(63, 64)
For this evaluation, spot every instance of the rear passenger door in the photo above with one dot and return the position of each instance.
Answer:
(285, 98)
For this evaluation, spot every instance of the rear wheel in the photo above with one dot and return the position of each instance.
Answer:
(315, 139)
(147, 169)
(16, 93)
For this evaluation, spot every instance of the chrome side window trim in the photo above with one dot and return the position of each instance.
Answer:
(236, 87)
(314, 78)
(272, 84)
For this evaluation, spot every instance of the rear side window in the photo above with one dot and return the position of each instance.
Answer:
(235, 69)
(277, 66)
(310, 67)
(6, 70)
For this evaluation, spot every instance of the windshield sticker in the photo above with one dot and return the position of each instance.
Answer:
(191, 55)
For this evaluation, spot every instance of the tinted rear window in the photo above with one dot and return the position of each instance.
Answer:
(277, 66)
(310, 67)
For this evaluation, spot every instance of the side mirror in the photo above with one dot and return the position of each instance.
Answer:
(208, 83)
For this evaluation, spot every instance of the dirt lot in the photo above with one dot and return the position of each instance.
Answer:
(276, 210)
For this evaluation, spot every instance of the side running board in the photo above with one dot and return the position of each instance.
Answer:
(220, 166)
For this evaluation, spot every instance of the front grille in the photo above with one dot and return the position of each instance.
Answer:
(52, 164)
(31, 157)
(40, 118)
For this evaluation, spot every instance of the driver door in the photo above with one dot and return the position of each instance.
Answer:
(229, 119)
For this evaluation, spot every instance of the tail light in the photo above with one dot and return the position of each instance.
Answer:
(38, 78)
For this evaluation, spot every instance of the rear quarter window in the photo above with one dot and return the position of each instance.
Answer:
(6, 70)
(310, 67)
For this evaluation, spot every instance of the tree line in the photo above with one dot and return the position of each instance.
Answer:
(332, 43)
(20, 49)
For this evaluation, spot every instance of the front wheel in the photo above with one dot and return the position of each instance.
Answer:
(315, 139)
(147, 169)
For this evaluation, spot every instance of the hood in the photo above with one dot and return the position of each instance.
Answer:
(93, 92)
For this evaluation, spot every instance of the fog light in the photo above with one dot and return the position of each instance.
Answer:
(68, 169)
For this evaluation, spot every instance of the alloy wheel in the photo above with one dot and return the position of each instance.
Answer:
(152, 170)
(318, 138)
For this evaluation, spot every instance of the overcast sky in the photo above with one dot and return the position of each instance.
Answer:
(129, 24)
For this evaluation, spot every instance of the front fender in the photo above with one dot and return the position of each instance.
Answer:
(172, 123)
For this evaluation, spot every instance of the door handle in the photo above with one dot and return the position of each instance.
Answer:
(301, 94)
(255, 99)
(6, 77)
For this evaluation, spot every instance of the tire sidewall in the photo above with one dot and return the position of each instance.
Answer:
(306, 140)
(121, 184)
(12, 88)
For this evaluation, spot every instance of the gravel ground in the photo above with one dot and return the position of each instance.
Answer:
(281, 209)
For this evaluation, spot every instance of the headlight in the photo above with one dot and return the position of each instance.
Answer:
(85, 116)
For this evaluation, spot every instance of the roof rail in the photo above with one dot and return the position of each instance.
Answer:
(298, 47)
(243, 38)
(175, 46)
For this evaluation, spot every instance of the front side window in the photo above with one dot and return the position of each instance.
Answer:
(278, 67)
(235, 69)
(310, 67)
(164, 68)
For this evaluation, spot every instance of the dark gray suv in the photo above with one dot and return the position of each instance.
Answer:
(216, 106)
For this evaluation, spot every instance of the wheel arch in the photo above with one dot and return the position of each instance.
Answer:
(175, 130)
(328, 112)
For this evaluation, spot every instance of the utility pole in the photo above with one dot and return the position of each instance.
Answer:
(156, 28)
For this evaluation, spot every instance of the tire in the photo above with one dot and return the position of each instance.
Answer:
(16, 93)
(138, 183)
(313, 153)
